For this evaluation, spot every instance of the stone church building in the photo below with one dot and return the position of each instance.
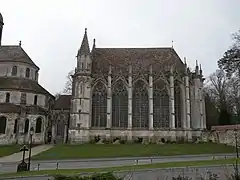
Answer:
(24, 103)
(134, 92)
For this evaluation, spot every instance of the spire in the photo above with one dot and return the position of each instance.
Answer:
(197, 68)
(200, 70)
(185, 64)
(94, 43)
(84, 49)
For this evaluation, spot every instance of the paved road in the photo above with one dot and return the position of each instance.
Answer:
(108, 162)
(162, 174)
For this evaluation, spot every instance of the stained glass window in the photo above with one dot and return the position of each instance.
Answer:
(99, 106)
(119, 105)
(140, 106)
(160, 106)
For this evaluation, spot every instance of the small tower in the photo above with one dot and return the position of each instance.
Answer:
(81, 93)
(196, 99)
(1, 28)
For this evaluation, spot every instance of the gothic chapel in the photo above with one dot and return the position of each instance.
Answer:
(135, 92)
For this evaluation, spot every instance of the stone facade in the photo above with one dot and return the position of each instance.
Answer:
(24, 103)
(95, 96)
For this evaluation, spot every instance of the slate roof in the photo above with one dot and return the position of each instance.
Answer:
(22, 84)
(15, 54)
(122, 57)
(63, 102)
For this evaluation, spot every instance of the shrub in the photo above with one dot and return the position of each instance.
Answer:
(139, 140)
(180, 140)
(97, 138)
(101, 176)
(122, 141)
(107, 141)
(163, 140)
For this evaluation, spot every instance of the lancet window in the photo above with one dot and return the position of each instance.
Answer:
(99, 106)
(160, 105)
(119, 105)
(140, 105)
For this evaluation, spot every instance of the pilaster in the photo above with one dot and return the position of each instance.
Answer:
(150, 96)
(188, 113)
(130, 98)
(109, 98)
(183, 106)
(171, 99)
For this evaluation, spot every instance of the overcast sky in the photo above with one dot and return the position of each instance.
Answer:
(51, 31)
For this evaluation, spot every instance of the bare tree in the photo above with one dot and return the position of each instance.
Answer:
(234, 94)
(68, 84)
(217, 88)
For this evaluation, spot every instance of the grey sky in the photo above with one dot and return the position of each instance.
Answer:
(51, 30)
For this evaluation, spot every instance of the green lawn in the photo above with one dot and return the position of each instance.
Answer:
(9, 149)
(129, 150)
(123, 168)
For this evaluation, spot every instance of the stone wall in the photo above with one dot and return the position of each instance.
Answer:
(6, 70)
(83, 135)
(21, 138)
(15, 98)
(223, 134)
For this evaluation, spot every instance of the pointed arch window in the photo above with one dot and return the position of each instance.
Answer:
(160, 105)
(38, 125)
(7, 98)
(14, 70)
(119, 106)
(27, 73)
(3, 124)
(99, 106)
(26, 126)
(177, 104)
(140, 106)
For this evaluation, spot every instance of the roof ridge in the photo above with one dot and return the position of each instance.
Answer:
(134, 48)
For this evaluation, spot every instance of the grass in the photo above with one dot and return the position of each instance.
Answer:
(123, 168)
(129, 150)
(9, 149)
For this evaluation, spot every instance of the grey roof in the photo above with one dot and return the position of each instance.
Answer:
(21, 84)
(63, 102)
(15, 54)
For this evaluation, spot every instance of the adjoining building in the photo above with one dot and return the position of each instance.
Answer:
(24, 103)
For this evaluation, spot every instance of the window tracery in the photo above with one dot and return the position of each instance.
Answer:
(160, 105)
(119, 105)
(140, 105)
(99, 106)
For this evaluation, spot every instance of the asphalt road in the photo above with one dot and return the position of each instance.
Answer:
(107, 162)
(162, 174)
